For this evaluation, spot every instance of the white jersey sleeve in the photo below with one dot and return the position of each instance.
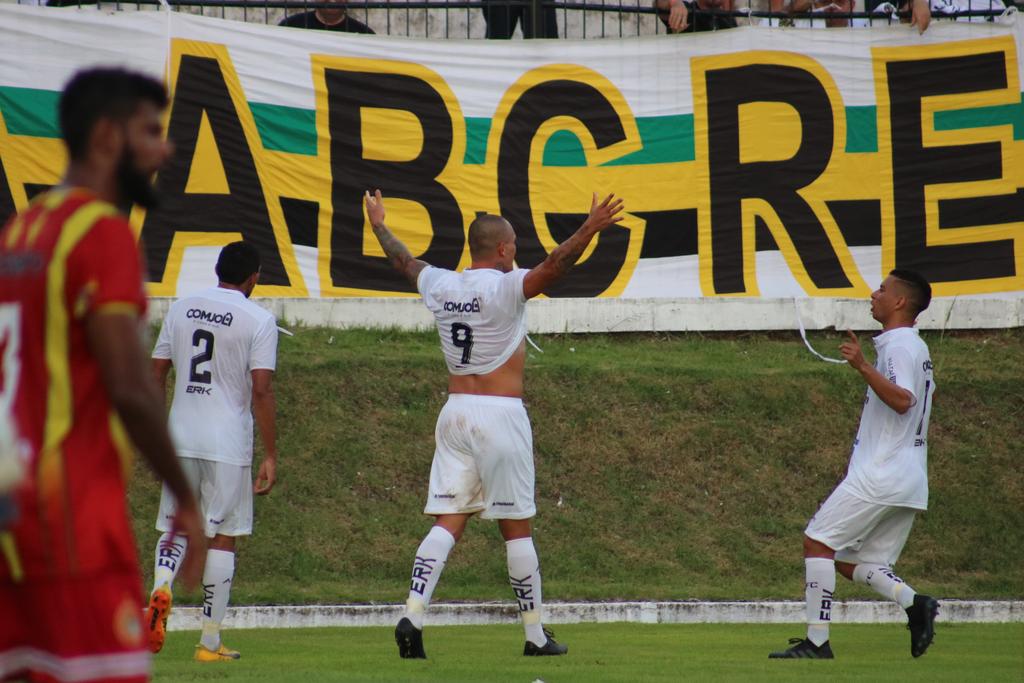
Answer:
(900, 370)
(162, 350)
(510, 289)
(264, 346)
(428, 278)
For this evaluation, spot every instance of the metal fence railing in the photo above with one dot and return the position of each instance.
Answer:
(453, 19)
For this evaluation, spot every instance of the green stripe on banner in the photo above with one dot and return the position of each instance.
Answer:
(861, 129)
(981, 117)
(286, 129)
(564, 149)
(665, 139)
(477, 130)
(30, 112)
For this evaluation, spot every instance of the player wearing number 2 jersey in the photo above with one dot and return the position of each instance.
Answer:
(224, 349)
(862, 527)
(483, 460)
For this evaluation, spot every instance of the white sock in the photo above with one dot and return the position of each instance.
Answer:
(170, 550)
(885, 582)
(524, 575)
(818, 590)
(431, 557)
(217, 577)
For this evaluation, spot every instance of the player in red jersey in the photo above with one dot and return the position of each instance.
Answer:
(75, 379)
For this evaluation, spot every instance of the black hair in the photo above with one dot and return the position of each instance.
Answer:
(237, 262)
(919, 289)
(95, 94)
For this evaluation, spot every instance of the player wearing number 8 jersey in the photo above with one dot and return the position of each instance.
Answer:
(224, 349)
(483, 460)
(862, 526)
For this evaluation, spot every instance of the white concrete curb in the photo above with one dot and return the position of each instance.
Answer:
(451, 614)
(553, 316)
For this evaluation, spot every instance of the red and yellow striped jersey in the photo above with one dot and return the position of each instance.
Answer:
(66, 256)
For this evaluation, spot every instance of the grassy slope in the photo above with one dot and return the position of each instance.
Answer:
(668, 467)
(603, 652)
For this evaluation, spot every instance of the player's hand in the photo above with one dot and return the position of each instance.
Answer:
(187, 522)
(266, 477)
(920, 14)
(604, 214)
(851, 351)
(374, 206)
(678, 16)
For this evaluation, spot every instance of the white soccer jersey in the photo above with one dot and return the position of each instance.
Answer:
(215, 338)
(480, 315)
(889, 464)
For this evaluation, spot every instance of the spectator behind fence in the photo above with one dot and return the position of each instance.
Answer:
(680, 16)
(944, 8)
(501, 18)
(333, 18)
(827, 9)
(921, 10)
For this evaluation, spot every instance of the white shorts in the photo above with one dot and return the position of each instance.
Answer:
(859, 531)
(224, 494)
(483, 460)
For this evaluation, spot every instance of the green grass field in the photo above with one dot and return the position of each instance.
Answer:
(602, 652)
(668, 467)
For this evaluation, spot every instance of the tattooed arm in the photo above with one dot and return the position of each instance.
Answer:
(563, 257)
(397, 253)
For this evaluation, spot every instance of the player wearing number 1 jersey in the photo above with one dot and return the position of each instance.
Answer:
(483, 460)
(224, 351)
(862, 526)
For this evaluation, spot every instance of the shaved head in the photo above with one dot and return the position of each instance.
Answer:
(485, 232)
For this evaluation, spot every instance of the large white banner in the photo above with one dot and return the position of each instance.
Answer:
(755, 163)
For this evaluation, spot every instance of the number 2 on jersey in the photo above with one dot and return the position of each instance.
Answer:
(462, 338)
(202, 338)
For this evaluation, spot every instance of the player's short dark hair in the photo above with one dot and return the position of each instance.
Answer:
(917, 286)
(237, 263)
(95, 94)
(484, 233)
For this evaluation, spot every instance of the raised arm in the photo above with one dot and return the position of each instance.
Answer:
(397, 253)
(892, 394)
(563, 257)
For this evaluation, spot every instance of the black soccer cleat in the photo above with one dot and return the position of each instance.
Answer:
(410, 640)
(921, 622)
(803, 648)
(550, 648)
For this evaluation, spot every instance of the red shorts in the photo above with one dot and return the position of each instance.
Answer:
(74, 629)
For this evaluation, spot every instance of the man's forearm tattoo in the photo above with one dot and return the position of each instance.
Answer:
(396, 252)
(566, 254)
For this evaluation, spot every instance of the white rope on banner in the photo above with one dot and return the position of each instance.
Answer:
(167, 62)
(803, 335)
(530, 341)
